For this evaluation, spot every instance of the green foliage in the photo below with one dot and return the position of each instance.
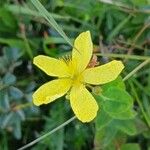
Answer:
(116, 101)
(116, 113)
(27, 30)
(12, 98)
(130, 147)
(8, 21)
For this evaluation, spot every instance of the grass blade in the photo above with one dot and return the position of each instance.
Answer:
(50, 20)
(118, 28)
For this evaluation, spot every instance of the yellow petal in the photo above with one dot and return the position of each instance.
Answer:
(103, 74)
(50, 91)
(83, 104)
(51, 66)
(82, 52)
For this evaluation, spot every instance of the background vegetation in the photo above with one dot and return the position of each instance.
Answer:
(120, 29)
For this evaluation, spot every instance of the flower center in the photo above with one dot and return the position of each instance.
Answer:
(76, 77)
(77, 80)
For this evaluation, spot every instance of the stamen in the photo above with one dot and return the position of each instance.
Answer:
(66, 58)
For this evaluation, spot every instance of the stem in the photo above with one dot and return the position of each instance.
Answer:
(135, 57)
(27, 46)
(125, 7)
(47, 134)
(136, 69)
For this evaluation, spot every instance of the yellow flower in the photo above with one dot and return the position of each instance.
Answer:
(73, 75)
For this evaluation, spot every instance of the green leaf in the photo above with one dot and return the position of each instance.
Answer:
(116, 101)
(105, 136)
(6, 119)
(13, 43)
(9, 79)
(8, 18)
(118, 83)
(126, 126)
(17, 129)
(12, 54)
(8, 21)
(102, 119)
(130, 146)
(4, 100)
(15, 92)
(139, 2)
(129, 114)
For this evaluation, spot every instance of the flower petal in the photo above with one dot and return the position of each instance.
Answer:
(50, 91)
(103, 74)
(83, 104)
(82, 52)
(51, 66)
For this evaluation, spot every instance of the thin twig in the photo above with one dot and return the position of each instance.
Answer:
(135, 57)
(47, 134)
(126, 8)
(119, 4)
(23, 36)
(136, 69)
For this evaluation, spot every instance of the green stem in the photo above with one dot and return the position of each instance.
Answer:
(50, 20)
(125, 6)
(136, 69)
(135, 57)
(47, 134)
